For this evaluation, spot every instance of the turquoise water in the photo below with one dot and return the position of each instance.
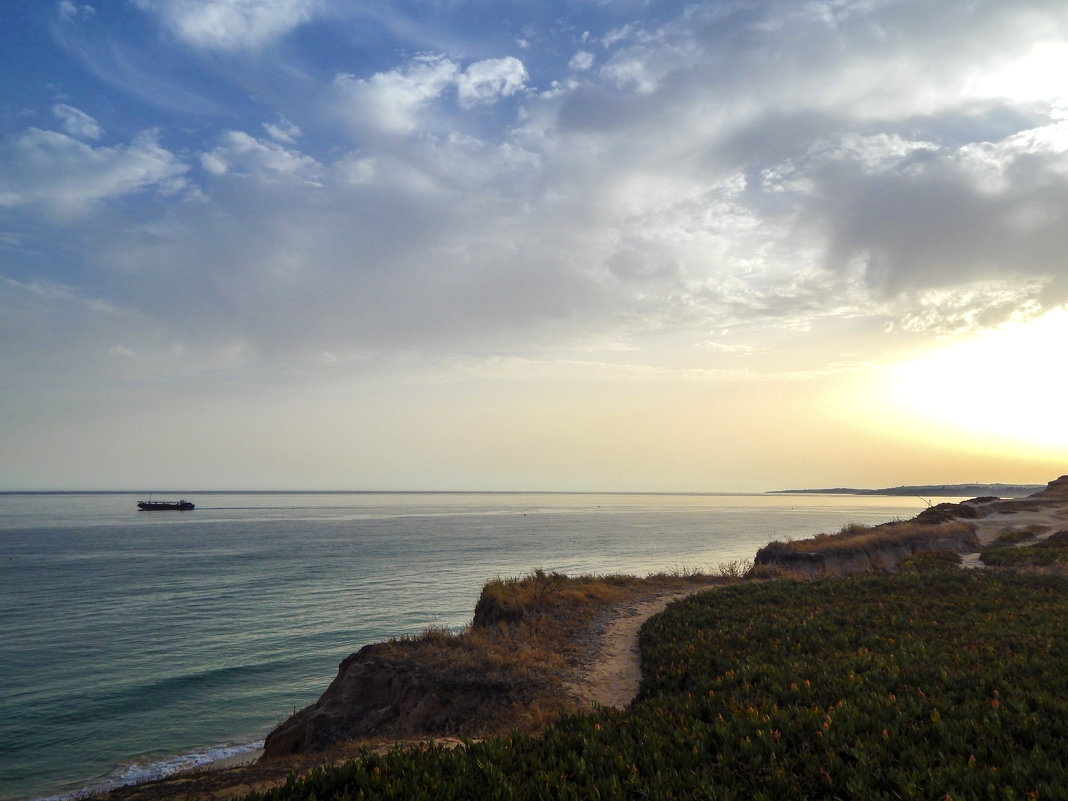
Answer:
(133, 644)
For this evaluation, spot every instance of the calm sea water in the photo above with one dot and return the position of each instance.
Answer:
(134, 644)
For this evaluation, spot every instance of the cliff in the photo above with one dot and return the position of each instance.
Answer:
(386, 691)
(859, 549)
(1056, 490)
(960, 528)
(513, 668)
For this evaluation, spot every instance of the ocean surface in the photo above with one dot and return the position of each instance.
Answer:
(134, 644)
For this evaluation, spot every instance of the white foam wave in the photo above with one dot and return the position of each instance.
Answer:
(140, 772)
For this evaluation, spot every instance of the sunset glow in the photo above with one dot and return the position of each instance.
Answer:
(1005, 383)
(305, 244)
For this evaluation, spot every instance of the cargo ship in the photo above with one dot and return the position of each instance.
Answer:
(159, 506)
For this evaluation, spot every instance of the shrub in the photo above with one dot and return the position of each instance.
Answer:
(1024, 556)
(1058, 539)
(927, 561)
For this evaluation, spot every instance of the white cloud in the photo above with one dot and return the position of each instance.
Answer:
(486, 81)
(284, 131)
(232, 24)
(631, 70)
(68, 175)
(401, 100)
(751, 163)
(77, 123)
(391, 101)
(617, 35)
(70, 11)
(582, 60)
(239, 152)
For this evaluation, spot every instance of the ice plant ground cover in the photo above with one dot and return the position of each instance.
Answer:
(927, 685)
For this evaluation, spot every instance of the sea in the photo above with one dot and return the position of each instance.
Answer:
(137, 644)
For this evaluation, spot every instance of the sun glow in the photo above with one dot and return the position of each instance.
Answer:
(1038, 75)
(1008, 383)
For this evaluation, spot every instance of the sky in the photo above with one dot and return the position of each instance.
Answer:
(574, 245)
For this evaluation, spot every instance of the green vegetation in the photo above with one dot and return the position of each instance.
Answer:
(1019, 535)
(927, 561)
(933, 685)
(1051, 551)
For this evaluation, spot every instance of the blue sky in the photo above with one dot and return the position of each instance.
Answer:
(566, 245)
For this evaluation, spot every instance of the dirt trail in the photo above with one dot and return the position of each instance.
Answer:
(611, 670)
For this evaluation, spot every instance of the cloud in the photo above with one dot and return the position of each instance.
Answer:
(283, 131)
(70, 11)
(769, 166)
(392, 101)
(582, 60)
(68, 176)
(232, 24)
(935, 217)
(404, 99)
(134, 65)
(77, 123)
(855, 168)
(239, 152)
(487, 81)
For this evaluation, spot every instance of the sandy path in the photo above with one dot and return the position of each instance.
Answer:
(1043, 521)
(611, 670)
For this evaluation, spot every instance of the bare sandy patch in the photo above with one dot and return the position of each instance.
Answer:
(611, 668)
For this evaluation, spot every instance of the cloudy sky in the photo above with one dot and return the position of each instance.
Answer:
(567, 245)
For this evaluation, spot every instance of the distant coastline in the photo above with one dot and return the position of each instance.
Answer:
(942, 490)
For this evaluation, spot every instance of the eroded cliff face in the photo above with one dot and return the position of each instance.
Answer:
(842, 561)
(502, 673)
(381, 692)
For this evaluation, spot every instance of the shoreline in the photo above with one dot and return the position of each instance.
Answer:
(235, 761)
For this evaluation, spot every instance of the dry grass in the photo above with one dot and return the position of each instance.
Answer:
(526, 635)
(857, 537)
